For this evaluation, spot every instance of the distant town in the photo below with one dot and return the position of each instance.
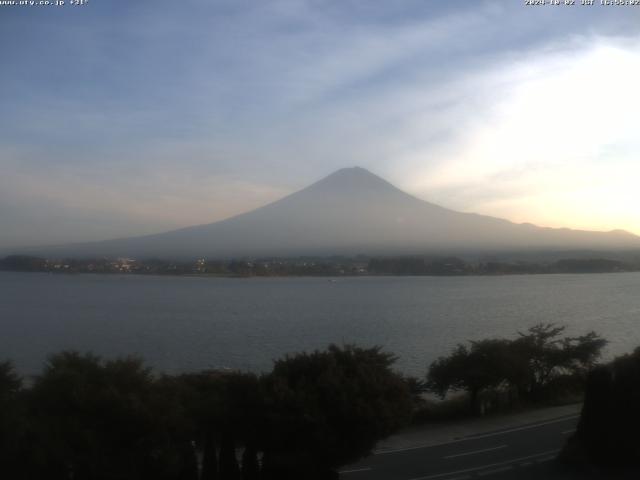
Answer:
(311, 266)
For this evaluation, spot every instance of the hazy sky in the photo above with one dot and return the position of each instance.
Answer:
(122, 117)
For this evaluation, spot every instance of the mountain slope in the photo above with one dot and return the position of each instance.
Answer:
(350, 212)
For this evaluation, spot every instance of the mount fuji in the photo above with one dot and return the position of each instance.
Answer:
(350, 212)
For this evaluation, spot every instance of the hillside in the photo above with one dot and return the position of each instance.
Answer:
(352, 211)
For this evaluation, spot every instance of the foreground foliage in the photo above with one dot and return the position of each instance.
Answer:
(536, 365)
(86, 418)
(348, 398)
(607, 434)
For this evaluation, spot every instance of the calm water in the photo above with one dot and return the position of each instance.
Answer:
(184, 323)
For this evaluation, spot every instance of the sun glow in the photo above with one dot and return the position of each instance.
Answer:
(558, 148)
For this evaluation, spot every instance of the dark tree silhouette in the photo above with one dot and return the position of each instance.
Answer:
(90, 419)
(607, 434)
(103, 420)
(475, 369)
(540, 355)
(532, 364)
(329, 408)
(250, 465)
(227, 411)
(12, 423)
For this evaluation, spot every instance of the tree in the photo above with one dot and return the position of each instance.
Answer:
(102, 420)
(241, 422)
(417, 387)
(12, 423)
(542, 356)
(481, 367)
(227, 411)
(582, 353)
(532, 364)
(23, 263)
(201, 399)
(607, 433)
(329, 408)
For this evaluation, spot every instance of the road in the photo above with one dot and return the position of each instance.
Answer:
(505, 453)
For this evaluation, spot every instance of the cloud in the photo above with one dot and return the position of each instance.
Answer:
(561, 135)
(101, 205)
(187, 112)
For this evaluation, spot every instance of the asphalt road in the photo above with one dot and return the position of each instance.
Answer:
(509, 453)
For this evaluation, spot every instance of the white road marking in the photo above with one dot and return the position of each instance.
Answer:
(466, 439)
(476, 451)
(482, 467)
(355, 470)
(495, 470)
(567, 432)
(517, 429)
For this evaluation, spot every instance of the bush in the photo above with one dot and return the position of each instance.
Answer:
(607, 433)
(537, 366)
(91, 419)
(330, 408)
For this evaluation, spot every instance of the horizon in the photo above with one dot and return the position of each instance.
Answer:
(341, 172)
(148, 118)
(351, 212)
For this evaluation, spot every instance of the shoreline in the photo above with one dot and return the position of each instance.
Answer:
(325, 276)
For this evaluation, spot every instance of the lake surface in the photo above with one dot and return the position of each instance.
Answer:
(188, 323)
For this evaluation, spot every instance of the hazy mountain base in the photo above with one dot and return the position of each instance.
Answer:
(350, 212)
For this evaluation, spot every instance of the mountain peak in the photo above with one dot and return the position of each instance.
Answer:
(353, 179)
(353, 172)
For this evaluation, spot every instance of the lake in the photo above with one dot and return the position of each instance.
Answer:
(188, 323)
